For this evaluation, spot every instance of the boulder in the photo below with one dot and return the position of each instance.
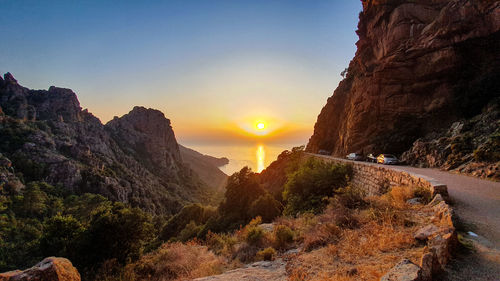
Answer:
(405, 270)
(50, 269)
(425, 232)
(413, 201)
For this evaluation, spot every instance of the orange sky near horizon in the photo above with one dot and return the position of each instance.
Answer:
(208, 109)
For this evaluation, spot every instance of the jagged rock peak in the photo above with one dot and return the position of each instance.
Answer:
(9, 78)
(148, 129)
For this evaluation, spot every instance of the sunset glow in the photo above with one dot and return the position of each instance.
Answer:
(260, 125)
(261, 158)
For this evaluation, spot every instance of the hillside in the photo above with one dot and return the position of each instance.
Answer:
(419, 67)
(133, 159)
(205, 166)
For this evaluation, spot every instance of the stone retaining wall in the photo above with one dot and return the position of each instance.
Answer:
(374, 178)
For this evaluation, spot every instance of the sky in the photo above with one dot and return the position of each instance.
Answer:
(215, 68)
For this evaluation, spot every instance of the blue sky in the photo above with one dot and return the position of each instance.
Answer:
(210, 66)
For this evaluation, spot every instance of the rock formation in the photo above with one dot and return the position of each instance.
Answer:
(134, 159)
(469, 146)
(419, 67)
(50, 269)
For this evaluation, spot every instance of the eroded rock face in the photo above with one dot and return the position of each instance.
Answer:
(469, 146)
(419, 66)
(148, 133)
(50, 269)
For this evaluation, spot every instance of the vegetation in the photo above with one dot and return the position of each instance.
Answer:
(89, 230)
(309, 186)
(318, 211)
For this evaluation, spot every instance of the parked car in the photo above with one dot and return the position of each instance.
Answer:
(324, 152)
(371, 158)
(387, 159)
(354, 156)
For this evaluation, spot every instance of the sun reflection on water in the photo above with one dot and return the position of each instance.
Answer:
(261, 158)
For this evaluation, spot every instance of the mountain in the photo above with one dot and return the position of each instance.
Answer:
(46, 136)
(419, 67)
(206, 166)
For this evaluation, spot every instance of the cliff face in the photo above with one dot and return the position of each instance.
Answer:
(419, 66)
(147, 134)
(46, 136)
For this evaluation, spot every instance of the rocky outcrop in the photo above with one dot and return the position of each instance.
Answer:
(258, 271)
(149, 135)
(50, 269)
(419, 67)
(134, 159)
(470, 146)
(405, 270)
(441, 240)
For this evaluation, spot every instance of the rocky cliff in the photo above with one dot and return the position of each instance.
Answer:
(46, 136)
(419, 67)
(469, 146)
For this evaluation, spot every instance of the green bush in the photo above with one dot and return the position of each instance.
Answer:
(195, 213)
(254, 235)
(266, 207)
(268, 254)
(314, 181)
(60, 237)
(283, 236)
(189, 232)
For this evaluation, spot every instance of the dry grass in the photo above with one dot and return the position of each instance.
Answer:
(176, 261)
(350, 240)
(366, 242)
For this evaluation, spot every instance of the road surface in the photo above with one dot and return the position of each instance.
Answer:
(475, 201)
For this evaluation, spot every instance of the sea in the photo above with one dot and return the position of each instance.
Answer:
(256, 156)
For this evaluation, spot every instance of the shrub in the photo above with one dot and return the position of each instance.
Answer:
(220, 244)
(268, 254)
(314, 181)
(283, 236)
(254, 235)
(351, 197)
(174, 261)
(321, 235)
(189, 232)
(195, 213)
(424, 193)
(400, 194)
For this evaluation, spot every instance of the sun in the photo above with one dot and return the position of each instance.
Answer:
(260, 125)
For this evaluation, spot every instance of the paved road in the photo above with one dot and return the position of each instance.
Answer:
(476, 201)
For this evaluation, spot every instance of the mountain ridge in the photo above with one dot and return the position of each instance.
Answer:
(135, 159)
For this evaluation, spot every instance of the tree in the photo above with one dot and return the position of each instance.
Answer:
(241, 191)
(266, 207)
(118, 233)
(34, 201)
(60, 237)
